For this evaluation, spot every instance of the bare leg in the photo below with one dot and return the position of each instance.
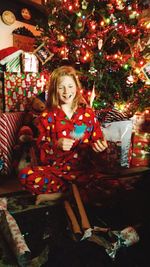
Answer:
(84, 219)
(48, 197)
(74, 223)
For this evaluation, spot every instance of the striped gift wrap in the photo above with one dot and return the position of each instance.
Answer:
(9, 126)
(14, 65)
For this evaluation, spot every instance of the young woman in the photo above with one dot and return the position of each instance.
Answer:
(68, 130)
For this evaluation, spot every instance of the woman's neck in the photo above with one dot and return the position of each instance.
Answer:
(67, 108)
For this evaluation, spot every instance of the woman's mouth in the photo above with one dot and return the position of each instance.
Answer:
(67, 96)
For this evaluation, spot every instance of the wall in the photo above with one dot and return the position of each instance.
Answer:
(6, 37)
(15, 6)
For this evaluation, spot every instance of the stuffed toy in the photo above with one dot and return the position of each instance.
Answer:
(28, 132)
(22, 148)
(25, 134)
(35, 105)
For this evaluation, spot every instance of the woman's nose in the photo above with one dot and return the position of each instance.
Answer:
(65, 89)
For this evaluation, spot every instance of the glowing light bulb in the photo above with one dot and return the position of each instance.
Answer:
(102, 23)
(107, 20)
(70, 7)
(62, 38)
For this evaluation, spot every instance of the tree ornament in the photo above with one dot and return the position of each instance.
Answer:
(117, 95)
(79, 26)
(100, 44)
(110, 8)
(93, 71)
(131, 79)
(144, 20)
(61, 37)
(37, 27)
(84, 4)
(51, 24)
(64, 53)
(68, 28)
(120, 5)
(114, 19)
(77, 53)
(92, 25)
(114, 40)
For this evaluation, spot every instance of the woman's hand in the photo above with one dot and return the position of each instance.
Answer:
(99, 145)
(65, 143)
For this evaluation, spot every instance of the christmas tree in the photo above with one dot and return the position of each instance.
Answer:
(107, 42)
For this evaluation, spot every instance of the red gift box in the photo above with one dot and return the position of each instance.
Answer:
(20, 86)
(141, 149)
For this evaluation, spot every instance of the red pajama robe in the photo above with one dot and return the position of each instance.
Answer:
(58, 168)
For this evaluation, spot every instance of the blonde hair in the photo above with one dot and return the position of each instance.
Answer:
(52, 100)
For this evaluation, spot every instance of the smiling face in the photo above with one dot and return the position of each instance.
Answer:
(66, 89)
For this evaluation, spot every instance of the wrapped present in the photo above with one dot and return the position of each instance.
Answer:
(1, 92)
(10, 56)
(110, 115)
(30, 63)
(111, 240)
(20, 86)
(14, 65)
(13, 236)
(120, 131)
(40, 225)
(9, 53)
(9, 125)
(141, 149)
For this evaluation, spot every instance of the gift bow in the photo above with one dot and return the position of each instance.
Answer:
(112, 241)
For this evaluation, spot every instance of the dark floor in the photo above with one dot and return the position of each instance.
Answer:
(8, 185)
(128, 207)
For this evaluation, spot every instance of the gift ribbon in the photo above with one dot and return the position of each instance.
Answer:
(123, 238)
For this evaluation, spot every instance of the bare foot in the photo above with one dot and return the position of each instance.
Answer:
(48, 197)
